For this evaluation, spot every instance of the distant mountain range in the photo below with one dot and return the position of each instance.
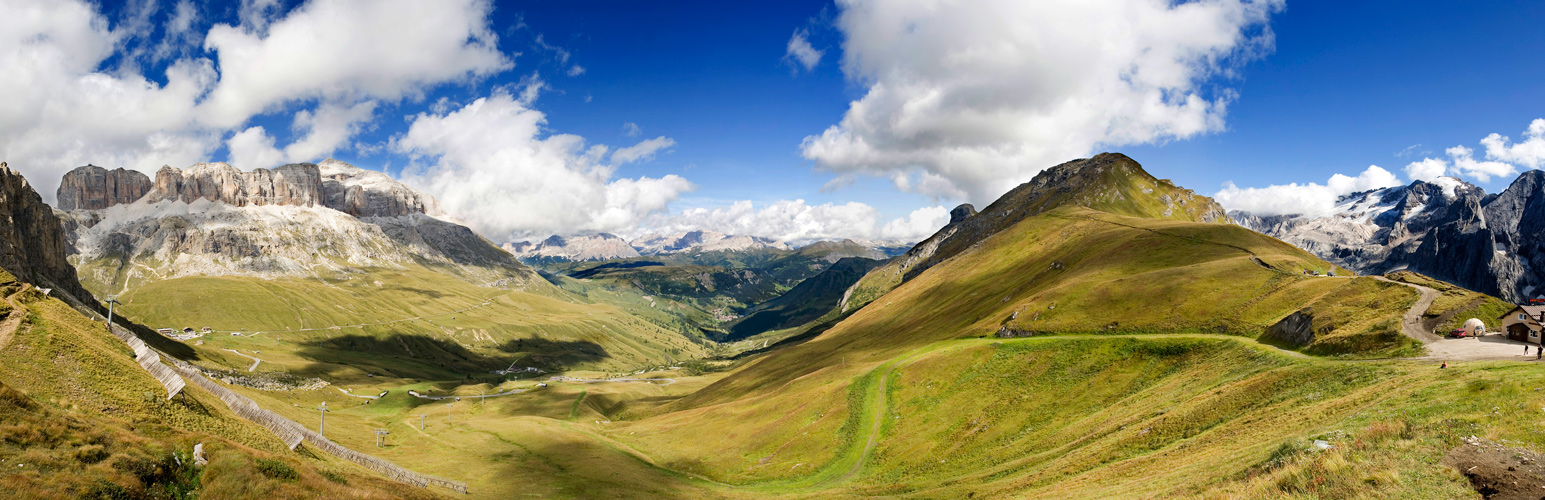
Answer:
(605, 246)
(1447, 229)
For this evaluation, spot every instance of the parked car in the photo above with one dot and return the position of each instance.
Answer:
(1458, 333)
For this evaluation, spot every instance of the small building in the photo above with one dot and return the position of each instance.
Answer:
(166, 331)
(208, 329)
(1523, 323)
(188, 330)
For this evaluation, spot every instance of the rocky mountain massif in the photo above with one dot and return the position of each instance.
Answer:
(1446, 229)
(32, 242)
(295, 220)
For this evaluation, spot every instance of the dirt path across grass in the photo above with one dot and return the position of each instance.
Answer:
(255, 361)
(13, 320)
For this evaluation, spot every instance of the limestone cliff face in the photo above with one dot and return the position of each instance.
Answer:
(301, 219)
(92, 188)
(32, 241)
(332, 184)
(367, 193)
(297, 184)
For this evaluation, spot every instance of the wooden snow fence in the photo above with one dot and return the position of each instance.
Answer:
(150, 360)
(293, 434)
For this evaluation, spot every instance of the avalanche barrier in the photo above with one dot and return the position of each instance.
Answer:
(293, 434)
(150, 360)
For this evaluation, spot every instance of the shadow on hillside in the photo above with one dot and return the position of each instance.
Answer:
(553, 355)
(421, 356)
(433, 294)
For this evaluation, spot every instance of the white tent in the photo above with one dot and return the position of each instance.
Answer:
(1474, 327)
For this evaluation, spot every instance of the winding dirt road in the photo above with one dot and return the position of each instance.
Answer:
(1411, 323)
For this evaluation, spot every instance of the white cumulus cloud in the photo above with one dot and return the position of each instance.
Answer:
(1303, 199)
(493, 166)
(1461, 162)
(799, 51)
(968, 99)
(644, 150)
(349, 49)
(1427, 169)
(67, 102)
(1530, 152)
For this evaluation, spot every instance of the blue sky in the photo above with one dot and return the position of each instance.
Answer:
(497, 109)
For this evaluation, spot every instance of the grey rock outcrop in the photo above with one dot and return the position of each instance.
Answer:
(961, 213)
(32, 242)
(92, 188)
(1296, 329)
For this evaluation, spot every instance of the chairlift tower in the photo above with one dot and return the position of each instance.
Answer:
(322, 423)
(111, 299)
(381, 437)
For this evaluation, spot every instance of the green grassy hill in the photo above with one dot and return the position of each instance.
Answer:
(80, 419)
(411, 324)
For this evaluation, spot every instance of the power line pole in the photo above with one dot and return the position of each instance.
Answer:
(421, 421)
(322, 422)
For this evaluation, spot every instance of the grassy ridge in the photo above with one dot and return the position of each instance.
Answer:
(409, 323)
(79, 418)
(1078, 270)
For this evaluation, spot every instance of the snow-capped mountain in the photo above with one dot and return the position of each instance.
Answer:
(302, 219)
(1447, 229)
(602, 246)
(702, 241)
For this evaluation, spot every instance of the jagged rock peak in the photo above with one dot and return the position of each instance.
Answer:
(92, 188)
(32, 243)
(961, 213)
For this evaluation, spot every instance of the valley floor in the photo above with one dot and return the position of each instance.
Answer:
(1074, 416)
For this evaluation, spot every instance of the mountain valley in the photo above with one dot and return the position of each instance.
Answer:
(1094, 333)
